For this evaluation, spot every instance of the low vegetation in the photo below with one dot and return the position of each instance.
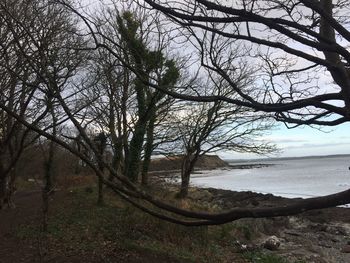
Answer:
(78, 226)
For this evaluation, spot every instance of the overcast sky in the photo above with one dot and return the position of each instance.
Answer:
(305, 141)
(301, 141)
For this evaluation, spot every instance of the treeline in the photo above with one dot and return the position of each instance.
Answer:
(129, 80)
(102, 101)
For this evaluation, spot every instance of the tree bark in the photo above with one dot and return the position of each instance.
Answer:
(49, 166)
(49, 169)
(148, 149)
(188, 163)
(341, 75)
(135, 150)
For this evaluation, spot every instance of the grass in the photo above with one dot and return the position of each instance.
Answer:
(78, 225)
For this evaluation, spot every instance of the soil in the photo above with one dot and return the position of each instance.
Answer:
(10, 246)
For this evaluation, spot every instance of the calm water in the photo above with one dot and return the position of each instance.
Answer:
(288, 178)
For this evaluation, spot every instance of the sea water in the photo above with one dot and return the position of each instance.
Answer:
(302, 177)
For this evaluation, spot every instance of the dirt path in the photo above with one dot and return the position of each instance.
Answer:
(11, 248)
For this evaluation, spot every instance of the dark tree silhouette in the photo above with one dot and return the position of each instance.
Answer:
(296, 44)
(308, 31)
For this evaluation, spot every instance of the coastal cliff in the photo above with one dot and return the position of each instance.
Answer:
(205, 162)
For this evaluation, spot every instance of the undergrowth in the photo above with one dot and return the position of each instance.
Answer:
(78, 225)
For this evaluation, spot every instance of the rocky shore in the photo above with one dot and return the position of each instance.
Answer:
(318, 236)
(250, 166)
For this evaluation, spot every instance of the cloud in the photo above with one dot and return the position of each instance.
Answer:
(344, 138)
(318, 145)
(284, 139)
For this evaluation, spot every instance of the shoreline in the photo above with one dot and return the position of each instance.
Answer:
(320, 235)
(250, 166)
(172, 177)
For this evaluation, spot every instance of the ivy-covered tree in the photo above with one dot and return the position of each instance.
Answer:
(153, 66)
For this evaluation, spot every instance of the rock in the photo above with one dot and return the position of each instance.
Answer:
(293, 233)
(324, 244)
(272, 243)
(338, 230)
(319, 227)
(255, 202)
(243, 248)
(214, 207)
(335, 240)
(346, 249)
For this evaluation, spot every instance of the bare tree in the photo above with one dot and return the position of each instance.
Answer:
(283, 108)
(18, 86)
(296, 45)
(57, 63)
(214, 29)
(45, 44)
(210, 127)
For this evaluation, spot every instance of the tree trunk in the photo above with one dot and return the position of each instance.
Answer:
(341, 74)
(148, 149)
(7, 178)
(136, 144)
(49, 170)
(48, 186)
(187, 167)
(185, 183)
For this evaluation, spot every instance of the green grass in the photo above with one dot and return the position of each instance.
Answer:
(78, 225)
(81, 225)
